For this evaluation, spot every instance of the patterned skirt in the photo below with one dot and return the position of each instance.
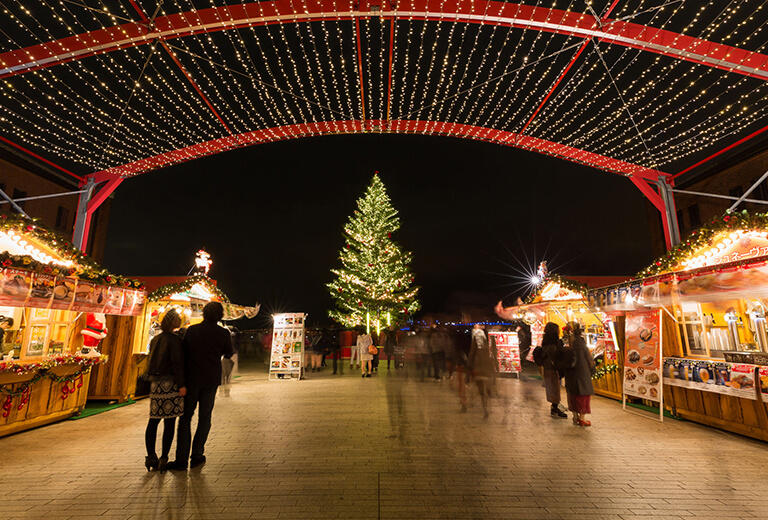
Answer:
(164, 400)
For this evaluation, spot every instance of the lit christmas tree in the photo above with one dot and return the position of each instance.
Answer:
(373, 286)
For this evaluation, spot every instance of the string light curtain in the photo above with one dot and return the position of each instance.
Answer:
(96, 85)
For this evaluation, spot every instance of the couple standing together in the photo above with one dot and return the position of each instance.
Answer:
(184, 374)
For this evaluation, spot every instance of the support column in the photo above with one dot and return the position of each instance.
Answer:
(671, 228)
(82, 219)
(89, 203)
(664, 201)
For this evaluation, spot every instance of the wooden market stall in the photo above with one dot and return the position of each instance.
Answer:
(188, 297)
(561, 300)
(54, 305)
(710, 294)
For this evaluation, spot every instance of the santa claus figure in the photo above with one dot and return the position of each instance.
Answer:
(95, 330)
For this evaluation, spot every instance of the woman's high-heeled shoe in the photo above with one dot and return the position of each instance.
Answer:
(151, 462)
(163, 464)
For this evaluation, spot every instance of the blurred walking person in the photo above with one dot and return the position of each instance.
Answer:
(552, 354)
(390, 344)
(363, 342)
(482, 364)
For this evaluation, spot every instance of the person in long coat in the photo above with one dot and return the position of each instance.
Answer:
(578, 378)
(552, 352)
(482, 363)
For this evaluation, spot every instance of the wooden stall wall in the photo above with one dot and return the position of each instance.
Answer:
(116, 379)
(45, 403)
(611, 384)
(743, 416)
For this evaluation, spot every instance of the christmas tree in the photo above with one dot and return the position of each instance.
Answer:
(373, 286)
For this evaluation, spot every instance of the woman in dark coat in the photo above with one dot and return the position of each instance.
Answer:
(578, 378)
(552, 353)
(166, 397)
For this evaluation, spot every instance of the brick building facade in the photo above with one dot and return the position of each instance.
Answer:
(732, 178)
(21, 179)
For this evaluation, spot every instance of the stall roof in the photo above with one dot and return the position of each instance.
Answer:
(203, 288)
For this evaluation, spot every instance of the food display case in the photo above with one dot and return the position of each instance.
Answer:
(50, 294)
(711, 293)
(561, 301)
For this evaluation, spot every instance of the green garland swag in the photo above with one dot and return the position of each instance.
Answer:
(604, 370)
(85, 268)
(729, 221)
(173, 288)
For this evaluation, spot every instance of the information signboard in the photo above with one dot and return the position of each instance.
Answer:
(508, 349)
(287, 357)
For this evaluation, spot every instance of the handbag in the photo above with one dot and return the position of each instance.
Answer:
(373, 349)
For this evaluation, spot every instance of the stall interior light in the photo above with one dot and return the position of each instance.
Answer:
(15, 244)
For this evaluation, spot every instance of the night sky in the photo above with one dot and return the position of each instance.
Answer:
(475, 215)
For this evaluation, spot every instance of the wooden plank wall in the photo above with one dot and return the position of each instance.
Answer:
(612, 384)
(113, 380)
(45, 405)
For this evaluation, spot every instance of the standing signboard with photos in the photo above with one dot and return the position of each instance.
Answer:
(287, 358)
(642, 361)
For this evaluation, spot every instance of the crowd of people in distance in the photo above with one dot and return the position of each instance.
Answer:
(187, 367)
(439, 352)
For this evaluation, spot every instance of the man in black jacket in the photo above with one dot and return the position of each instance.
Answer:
(204, 344)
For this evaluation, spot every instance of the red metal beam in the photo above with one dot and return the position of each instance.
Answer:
(554, 86)
(181, 67)
(658, 202)
(737, 143)
(575, 57)
(194, 85)
(651, 39)
(397, 126)
(360, 68)
(42, 159)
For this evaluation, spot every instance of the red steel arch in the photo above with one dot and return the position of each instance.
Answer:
(565, 22)
(668, 43)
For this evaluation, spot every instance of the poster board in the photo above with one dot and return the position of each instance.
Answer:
(642, 359)
(508, 350)
(720, 377)
(287, 357)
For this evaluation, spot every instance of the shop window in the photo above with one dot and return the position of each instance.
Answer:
(47, 332)
(694, 218)
(680, 223)
(62, 218)
(710, 329)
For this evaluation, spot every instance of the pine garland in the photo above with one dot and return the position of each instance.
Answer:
(702, 237)
(604, 370)
(84, 268)
(175, 288)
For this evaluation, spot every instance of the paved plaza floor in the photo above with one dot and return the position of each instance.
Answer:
(386, 447)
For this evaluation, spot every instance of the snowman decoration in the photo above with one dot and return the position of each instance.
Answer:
(95, 330)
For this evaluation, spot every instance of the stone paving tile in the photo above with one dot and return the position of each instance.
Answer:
(386, 448)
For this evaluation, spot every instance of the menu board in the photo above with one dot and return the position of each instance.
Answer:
(736, 379)
(642, 361)
(20, 288)
(508, 349)
(15, 285)
(287, 346)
